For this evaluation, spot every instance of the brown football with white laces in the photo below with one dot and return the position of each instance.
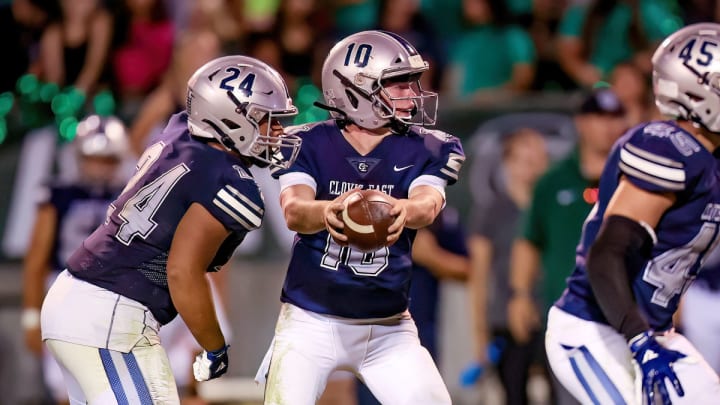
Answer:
(366, 218)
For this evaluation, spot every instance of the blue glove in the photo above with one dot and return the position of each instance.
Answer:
(471, 374)
(656, 364)
(473, 371)
(209, 365)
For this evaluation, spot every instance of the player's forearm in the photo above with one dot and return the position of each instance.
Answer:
(305, 216)
(36, 264)
(478, 309)
(448, 265)
(34, 274)
(191, 295)
(422, 210)
(524, 265)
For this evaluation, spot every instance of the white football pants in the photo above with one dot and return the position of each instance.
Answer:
(701, 322)
(107, 346)
(594, 363)
(385, 353)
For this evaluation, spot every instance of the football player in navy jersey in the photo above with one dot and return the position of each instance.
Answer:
(67, 212)
(189, 205)
(344, 309)
(610, 337)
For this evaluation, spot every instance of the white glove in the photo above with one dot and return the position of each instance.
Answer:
(209, 365)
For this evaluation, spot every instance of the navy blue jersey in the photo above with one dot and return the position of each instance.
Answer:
(128, 253)
(326, 278)
(658, 157)
(79, 210)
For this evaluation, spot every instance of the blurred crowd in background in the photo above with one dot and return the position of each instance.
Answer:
(531, 178)
(65, 58)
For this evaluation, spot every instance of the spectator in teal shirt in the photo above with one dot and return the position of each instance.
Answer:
(491, 53)
(596, 37)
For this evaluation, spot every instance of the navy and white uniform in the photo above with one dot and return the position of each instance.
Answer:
(79, 209)
(590, 357)
(114, 296)
(356, 303)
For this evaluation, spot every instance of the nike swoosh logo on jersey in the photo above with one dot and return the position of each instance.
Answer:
(399, 169)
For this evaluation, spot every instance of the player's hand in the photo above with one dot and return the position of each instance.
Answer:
(399, 210)
(331, 217)
(523, 317)
(209, 365)
(656, 364)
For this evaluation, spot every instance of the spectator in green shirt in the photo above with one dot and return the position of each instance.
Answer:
(490, 53)
(595, 37)
(551, 226)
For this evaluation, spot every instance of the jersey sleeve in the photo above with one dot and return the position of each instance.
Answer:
(234, 199)
(446, 156)
(656, 158)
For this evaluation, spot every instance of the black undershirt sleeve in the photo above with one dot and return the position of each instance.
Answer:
(621, 249)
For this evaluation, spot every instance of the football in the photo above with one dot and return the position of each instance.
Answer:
(366, 218)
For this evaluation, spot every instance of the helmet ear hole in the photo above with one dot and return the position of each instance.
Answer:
(353, 100)
(230, 124)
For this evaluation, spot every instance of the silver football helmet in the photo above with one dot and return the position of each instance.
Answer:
(228, 98)
(358, 69)
(98, 136)
(686, 75)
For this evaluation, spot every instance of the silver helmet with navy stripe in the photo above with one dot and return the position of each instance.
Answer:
(686, 75)
(357, 71)
(231, 97)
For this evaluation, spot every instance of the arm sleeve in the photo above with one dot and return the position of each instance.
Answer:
(621, 249)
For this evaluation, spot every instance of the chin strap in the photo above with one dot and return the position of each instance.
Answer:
(398, 126)
(224, 138)
(342, 122)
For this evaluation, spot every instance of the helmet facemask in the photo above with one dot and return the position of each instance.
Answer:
(268, 149)
(424, 103)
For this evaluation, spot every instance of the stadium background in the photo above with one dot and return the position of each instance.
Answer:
(37, 117)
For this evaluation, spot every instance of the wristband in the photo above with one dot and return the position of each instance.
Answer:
(30, 318)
